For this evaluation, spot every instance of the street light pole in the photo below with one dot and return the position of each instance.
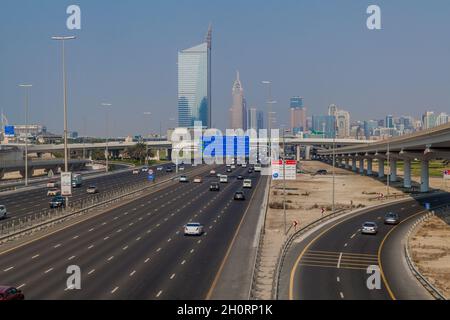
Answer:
(107, 105)
(146, 143)
(27, 100)
(389, 169)
(63, 40)
(334, 170)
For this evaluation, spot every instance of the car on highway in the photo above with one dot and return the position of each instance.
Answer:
(247, 184)
(258, 168)
(159, 169)
(229, 170)
(10, 293)
(369, 228)
(391, 218)
(53, 192)
(214, 186)
(194, 229)
(52, 184)
(58, 202)
(322, 172)
(212, 172)
(250, 170)
(233, 167)
(184, 179)
(239, 196)
(240, 177)
(135, 171)
(223, 179)
(198, 180)
(169, 169)
(181, 168)
(77, 180)
(92, 190)
(3, 212)
(145, 169)
(244, 165)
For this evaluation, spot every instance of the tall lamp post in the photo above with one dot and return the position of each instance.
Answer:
(146, 143)
(63, 39)
(334, 168)
(270, 102)
(27, 101)
(107, 106)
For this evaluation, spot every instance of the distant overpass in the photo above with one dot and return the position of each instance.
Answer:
(426, 145)
(54, 164)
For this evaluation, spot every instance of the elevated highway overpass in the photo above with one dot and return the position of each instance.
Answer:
(423, 146)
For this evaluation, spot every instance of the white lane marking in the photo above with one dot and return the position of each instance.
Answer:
(169, 240)
(105, 238)
(339, 261)
(8, 269)
(183, 262)
(91, 272)
(57, 246)
(159, 294)
(149, 231)
(104, 223)
(75, 238)
(338, 279)
(159, 249)
(71, 258)
(21, 286)
(34, 257)
(49, 270)
(125, 248)
(90, 247)
(147, 260)
(342, 295)
(353, 236)
(133, 273)
(192, 251)
(345, 245)
(172, 276)
(90, 230)
(115, 289)
(138, 238)
(110, 258)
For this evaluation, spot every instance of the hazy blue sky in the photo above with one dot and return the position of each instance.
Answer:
(126, 54)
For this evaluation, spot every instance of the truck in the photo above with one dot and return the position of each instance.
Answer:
(77, 180)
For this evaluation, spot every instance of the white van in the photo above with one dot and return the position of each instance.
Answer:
(247, 184)
(258, 168)
(223, 179)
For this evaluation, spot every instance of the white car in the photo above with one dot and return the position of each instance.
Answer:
(244, 165)
(212, 172)
(247, 184)
(135, 171)
(369, 228)
(52, 184)
(160, 169)
(53, 192)
(223, 179)
(233, 167)
(193, 229)
(183, 179)
(198, 180)
(2, 212)
(181, 169)
(145, 169)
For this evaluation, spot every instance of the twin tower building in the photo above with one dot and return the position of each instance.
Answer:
(194, 89)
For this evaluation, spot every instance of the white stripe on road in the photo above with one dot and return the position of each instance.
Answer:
(8, 269)
(342, 295)
(339, 261)
(115, 289)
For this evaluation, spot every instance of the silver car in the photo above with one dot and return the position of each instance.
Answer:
(3, 212)
(193, 229)
(391, 218)
(369, 228)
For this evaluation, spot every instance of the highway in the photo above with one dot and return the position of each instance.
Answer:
(331, 263)
(137, 250)
(27, 202)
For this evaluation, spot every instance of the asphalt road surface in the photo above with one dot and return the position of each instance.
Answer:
(138, 250)
(332, 263)
(28, 202)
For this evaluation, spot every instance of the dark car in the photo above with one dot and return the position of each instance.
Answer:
(322, 172)
(169, 169)
(10, 293)
(58, 202)
(239, 195)
(240, 177)
(250, 170)
(229, 170)
(214, 187)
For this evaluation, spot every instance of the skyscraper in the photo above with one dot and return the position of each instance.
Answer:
(298, 115)
(194, 84)
(389, 122)
(343, 123)
(255, 119)
(429, 120)
(238, 111)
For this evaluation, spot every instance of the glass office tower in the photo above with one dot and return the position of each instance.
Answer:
(194, 85)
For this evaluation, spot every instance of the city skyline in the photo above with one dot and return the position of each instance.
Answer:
(152, 63)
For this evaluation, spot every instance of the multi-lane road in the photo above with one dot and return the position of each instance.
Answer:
(27, 202)
(332, 262)
(137, 250)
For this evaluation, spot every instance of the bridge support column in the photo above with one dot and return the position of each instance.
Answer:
(361, 166)
(369, 167)
(2, 174)
(158, 155)
(425, 176)
(407, 174)
(308, 153)
(354, 168)
(347, 163)
(298, 152)
(380, 168)
(393, 165)
(169, 154)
